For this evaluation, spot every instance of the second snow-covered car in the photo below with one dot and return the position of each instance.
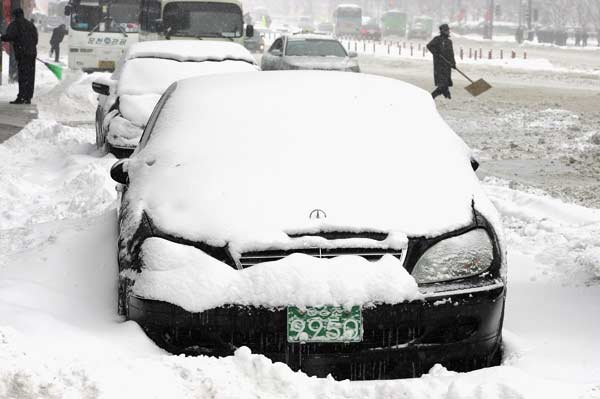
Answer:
(146, 70)
(302, 51)
(361, 246)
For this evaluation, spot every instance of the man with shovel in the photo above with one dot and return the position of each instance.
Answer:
(24, 37)
(443, 61)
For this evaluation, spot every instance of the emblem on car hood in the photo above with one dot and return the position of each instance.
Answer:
(317, 214)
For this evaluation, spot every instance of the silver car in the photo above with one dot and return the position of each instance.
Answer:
(309, 52)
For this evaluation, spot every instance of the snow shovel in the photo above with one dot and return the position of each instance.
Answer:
(475, 88)
(55, 69)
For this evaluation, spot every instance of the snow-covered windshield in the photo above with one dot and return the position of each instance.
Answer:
(315, 48)
(203, 19)
(123, 16)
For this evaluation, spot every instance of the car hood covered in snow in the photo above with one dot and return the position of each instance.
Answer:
(371, 152)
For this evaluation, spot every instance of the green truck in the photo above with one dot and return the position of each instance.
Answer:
(394, 23)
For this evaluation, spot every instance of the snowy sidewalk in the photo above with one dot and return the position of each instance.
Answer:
(14, 117)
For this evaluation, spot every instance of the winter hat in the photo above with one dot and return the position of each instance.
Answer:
(18, 13)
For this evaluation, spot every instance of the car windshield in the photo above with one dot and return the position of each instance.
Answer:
(203, 19)
(315, 48)
(123, 17)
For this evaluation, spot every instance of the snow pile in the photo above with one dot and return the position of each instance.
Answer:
(563, 238)
(188, 277)
(214, 181)
(71, 100)
(47, 175)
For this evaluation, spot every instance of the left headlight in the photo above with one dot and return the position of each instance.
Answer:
(457, 257)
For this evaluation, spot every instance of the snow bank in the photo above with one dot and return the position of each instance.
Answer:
(187, 277)
(47, 174)
(71, 99)
(563, 238)
(394, 166)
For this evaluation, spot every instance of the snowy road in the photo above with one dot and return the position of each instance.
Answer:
(60, 336)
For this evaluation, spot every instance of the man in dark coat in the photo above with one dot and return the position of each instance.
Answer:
(24, 37)
(443, 61)
(58, 34)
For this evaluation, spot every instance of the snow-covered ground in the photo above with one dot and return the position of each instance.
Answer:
(60, 336)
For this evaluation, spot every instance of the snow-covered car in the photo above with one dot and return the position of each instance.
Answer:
(363, 246)
(145, 71)
(309, 51)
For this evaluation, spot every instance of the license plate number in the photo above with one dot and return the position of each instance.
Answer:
(106, 64)
(324, 324)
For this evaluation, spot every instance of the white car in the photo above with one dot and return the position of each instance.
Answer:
(347, 234)
(146, 70)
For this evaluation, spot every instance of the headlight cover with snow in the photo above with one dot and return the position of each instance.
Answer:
(457, 257)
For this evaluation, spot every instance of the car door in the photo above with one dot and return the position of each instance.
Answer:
(272, 58)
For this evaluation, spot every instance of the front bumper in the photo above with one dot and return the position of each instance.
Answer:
(460, 329)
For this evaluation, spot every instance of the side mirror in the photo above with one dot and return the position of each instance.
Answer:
(249, 30)
(68, 10)
(352, 54)
(119, 172)
(101, 88)
(276, 53)
(474, 164)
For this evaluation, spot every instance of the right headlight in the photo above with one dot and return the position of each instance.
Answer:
(457, 257)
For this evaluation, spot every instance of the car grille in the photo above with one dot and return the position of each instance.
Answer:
(249, 259)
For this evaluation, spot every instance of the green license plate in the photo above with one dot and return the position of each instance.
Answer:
(324, 324)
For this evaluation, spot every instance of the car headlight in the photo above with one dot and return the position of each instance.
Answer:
(457, 257)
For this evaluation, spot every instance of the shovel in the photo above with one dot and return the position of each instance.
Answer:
(475, 88)
(55, 69)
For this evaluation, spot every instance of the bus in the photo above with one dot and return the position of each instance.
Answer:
(394, 23)
(347, 19)
(193, 19)
(100, 32)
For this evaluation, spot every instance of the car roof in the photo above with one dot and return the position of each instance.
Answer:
(311, 36)
(190, 50)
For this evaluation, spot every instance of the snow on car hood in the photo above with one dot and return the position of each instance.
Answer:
(190, 50)
(224, 166)
(336, 63)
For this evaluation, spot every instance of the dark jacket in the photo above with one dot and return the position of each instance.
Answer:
(441, 46)
(58, 34)
(24, 37)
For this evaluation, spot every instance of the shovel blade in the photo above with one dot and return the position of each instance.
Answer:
(478, 87)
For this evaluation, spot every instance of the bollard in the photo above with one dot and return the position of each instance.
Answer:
(501, 54)
(399, 50)
(470, 53)
(349, 46)
(524, 55)
(461, 53)
(364, 46)
(475, 55)
(419, 46)
(513, 54)
(355, 44)
(424, 51)
(490, 55)
(388, 46)
(373, 47)
(480, 53)
(411, 50)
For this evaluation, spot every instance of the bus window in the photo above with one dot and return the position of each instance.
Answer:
(199, 19)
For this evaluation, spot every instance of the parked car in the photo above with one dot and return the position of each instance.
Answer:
(309, 52)
(145, 71)
(347, 234)
(370, 30)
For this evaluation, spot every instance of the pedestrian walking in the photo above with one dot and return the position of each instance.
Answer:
(443, 61)
(58, 34)
(24, 38)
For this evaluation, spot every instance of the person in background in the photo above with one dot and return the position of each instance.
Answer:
(58, 34)
(24, 38)
(443, 61)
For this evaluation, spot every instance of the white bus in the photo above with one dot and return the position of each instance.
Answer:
(193, 19)
(100, 31)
